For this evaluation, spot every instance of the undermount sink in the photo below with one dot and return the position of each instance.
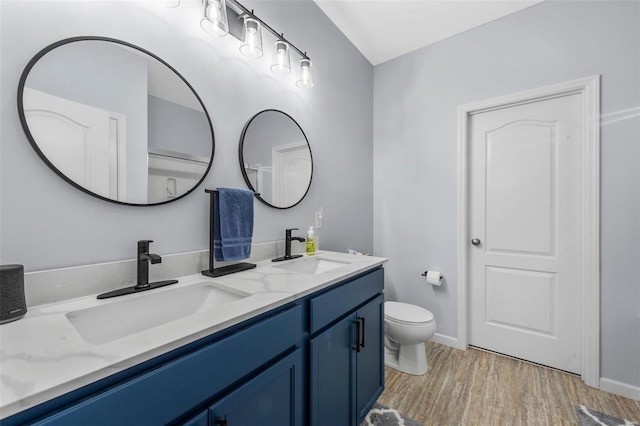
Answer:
(311, 265)
(133, 314)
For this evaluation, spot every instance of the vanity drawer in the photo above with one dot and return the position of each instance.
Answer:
(335, 303)
(163, 394)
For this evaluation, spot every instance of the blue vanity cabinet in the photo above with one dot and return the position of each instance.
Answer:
(346, 358)
(188, 383)
(273, 398)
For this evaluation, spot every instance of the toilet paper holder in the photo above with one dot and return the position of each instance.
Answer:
(433, 277)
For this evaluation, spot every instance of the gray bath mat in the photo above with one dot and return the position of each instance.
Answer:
(590, 417)
(385, 416)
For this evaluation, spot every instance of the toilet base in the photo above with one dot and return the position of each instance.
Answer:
(410, 359)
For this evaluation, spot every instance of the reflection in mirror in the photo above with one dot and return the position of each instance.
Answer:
(275, 158)
(115, 121)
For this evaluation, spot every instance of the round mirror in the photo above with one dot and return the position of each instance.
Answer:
(115, 121)
(275, 158)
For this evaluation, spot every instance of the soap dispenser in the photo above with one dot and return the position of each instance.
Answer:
(312, 242)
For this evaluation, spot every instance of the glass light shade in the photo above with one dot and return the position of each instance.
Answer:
(214, 17)
(167, 3)
(282, 64)
(251, 38)
(306, 79)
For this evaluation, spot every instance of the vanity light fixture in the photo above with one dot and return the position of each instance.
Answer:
(282, 65)
(306, 79)
(222, 17)
(251, 46)
(214, 17)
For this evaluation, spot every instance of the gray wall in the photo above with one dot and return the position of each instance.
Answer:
(46, 223)
(415, 151)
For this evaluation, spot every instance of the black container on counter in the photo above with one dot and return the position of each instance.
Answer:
(13, 305)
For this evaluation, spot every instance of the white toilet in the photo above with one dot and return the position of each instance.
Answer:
(406, 330)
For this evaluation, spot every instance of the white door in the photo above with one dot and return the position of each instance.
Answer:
(524, 215)
(292, 172)
(76, 138)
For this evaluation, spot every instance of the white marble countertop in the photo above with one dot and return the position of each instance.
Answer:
(42, 356)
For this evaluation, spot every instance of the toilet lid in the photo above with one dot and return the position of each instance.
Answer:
(407, 313)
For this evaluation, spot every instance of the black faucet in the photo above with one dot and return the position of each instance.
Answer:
(143, 259)
(287, 246)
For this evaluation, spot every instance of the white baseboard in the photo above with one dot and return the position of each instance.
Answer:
(619, 388)
(447, 340)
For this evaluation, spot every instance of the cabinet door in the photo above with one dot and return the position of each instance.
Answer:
(370, 358)
(274, 397)
(201, 419)
(332, 374)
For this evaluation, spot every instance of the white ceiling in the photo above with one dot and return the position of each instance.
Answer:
(385, 29)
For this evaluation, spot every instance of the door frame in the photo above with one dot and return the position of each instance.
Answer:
(118, 153)
(589, 89)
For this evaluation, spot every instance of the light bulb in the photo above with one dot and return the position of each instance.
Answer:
(282, 65)
(306, 79)
(213, 11)
(251, 38)
(214, 20)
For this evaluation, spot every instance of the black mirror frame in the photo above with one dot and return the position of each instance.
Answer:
(241, 158)
(34, 144)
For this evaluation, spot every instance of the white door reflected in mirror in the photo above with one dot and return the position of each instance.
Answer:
(292, 172)
(84, 142)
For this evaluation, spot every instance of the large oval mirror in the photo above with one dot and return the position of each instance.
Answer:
(275, 158)
(115, 121)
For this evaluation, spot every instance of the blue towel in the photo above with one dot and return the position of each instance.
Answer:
(233, 228)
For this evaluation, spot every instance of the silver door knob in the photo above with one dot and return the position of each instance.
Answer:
(475, 242)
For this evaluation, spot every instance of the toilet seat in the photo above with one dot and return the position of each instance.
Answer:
(405, 313)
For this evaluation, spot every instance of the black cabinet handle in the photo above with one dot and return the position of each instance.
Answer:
(359, 333)
(221, 422)
(357, 323)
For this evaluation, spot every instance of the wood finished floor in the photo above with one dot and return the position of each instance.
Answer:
(475, 387)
